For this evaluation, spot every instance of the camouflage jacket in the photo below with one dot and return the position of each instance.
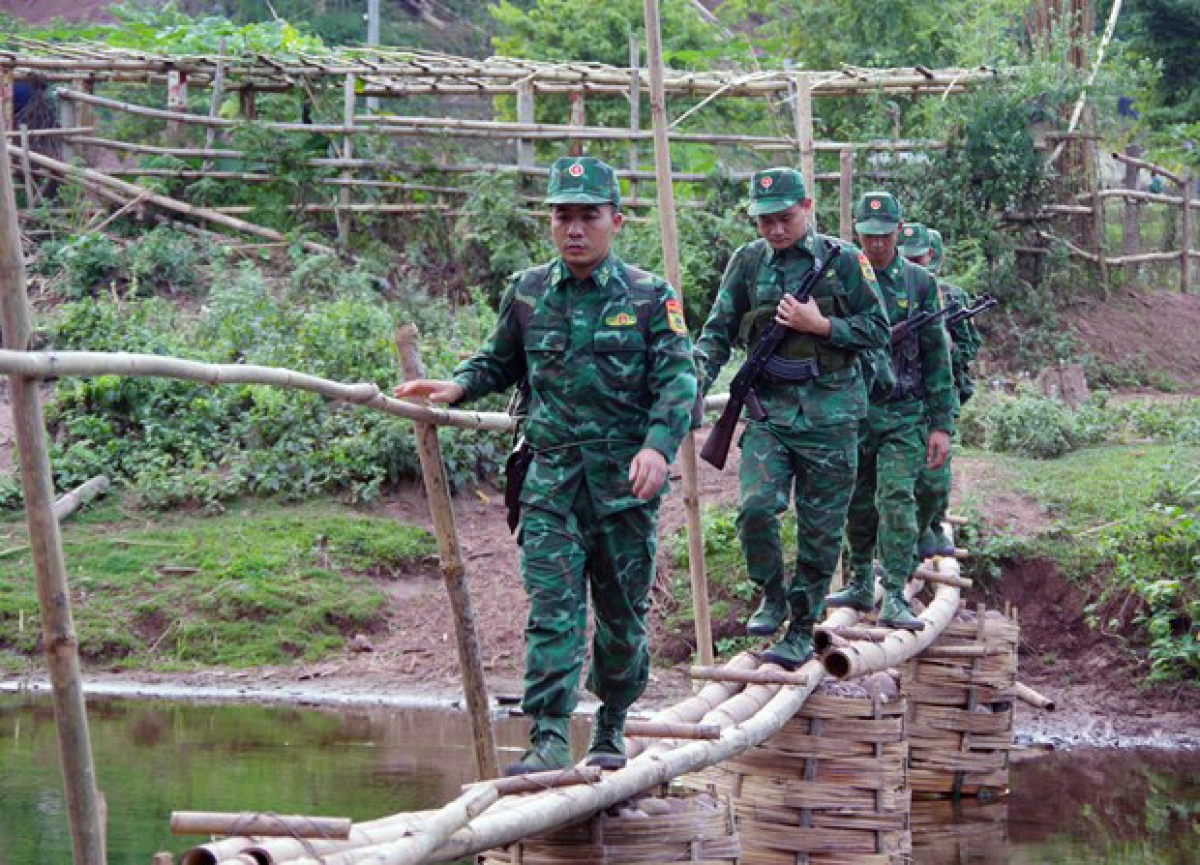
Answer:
(937, 378)
(751, 288)
(610, 370)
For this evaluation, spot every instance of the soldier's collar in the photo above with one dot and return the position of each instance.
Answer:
(806, 244)
(607, 270)
(895, 266)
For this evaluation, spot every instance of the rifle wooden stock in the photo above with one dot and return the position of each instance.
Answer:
(716, 447)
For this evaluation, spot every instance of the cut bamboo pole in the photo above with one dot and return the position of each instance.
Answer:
(81, 495)
(59, 641)
(846, 194)
(1130, 159)
(269, 825)
(1027, 694)
(761, 676)
(667, 730)
(343, 212)
(804, 131)
(214, 103)
(32, 197)
(437, 488)
(931, 576)
(669, 232)
(1185, 234)
(535, 782)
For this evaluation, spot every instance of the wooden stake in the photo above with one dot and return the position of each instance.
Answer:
(670, 243)
(61, 646)
(1185, 234)
(433, 470)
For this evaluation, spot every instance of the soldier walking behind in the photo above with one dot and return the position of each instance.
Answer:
(805, 447)
(905, 428)
(608, 360)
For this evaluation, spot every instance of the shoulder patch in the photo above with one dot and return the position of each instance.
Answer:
(868, 272)
(675, 319)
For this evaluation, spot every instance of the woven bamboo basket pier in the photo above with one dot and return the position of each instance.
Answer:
(694, 828)
(953, 831)
(828, 789)
(960, 712)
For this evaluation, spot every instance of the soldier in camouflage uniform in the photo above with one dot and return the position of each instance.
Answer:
(933, 485)
(806, 446)
(907, 427)
(608, 360)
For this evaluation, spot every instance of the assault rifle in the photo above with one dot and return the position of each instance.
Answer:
(983, 302)
(953, 315)
(762, 360)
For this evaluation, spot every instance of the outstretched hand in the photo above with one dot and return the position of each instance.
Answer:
(647, 473)
(430, 389)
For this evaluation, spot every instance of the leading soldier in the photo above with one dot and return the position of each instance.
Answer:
(608, 361)
(908, 426)
(806, 445)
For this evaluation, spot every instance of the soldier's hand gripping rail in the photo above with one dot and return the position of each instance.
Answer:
(763, 360)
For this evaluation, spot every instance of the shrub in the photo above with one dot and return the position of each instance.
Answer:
(1029, 424)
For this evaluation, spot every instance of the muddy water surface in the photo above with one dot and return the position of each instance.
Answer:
(152, 757)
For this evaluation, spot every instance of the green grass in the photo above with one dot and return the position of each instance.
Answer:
(270, 585)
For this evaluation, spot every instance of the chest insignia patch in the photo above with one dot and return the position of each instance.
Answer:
(675, 319)
(621, 319)
(868, 272)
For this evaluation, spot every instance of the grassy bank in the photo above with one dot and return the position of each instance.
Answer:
(262, 584)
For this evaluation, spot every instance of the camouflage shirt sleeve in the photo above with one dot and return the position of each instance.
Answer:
(866, 327)
(671, 375)
(725, 319)
(937, 375)
(501, 362)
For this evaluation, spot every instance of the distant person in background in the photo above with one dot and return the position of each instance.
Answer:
(933, 485)
(607, 358)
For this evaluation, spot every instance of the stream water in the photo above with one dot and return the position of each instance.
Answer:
(153, 757)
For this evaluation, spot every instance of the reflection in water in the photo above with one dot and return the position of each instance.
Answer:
(154, 757)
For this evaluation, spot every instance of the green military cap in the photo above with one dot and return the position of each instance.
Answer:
(914, 240)
(582, 180)
(775, 189)
(877, 213)
(939, 253)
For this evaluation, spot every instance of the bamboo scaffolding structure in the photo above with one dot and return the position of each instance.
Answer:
(59, 641)
(278, 825)
(437, 489)
(669, 233)
(129, 190)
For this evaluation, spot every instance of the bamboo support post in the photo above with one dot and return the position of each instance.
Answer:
(1130, 214)
(6, 98)
(761, 676)
(669, 231)
(214, 103)
(1185, 234)
(343, 213)
(1028, 695)
(846, 195)
(266, 825)
(635, 106)
(804, 131)
(80, 496)
(525, 116)
(667, 730)
(437, 488)
(535, 782)
(578, 119)
(59, 641)
(32, 196)
(1098, 240)
(176, 103)
(247, 106)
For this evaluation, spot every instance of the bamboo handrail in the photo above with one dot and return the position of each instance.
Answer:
(1148, 166)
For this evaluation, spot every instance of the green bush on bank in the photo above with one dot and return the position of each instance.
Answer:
(175, 442)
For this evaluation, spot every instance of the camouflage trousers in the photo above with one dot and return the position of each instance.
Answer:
(882, 519)
(933, 495)
(815, 467)
(562, 557)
